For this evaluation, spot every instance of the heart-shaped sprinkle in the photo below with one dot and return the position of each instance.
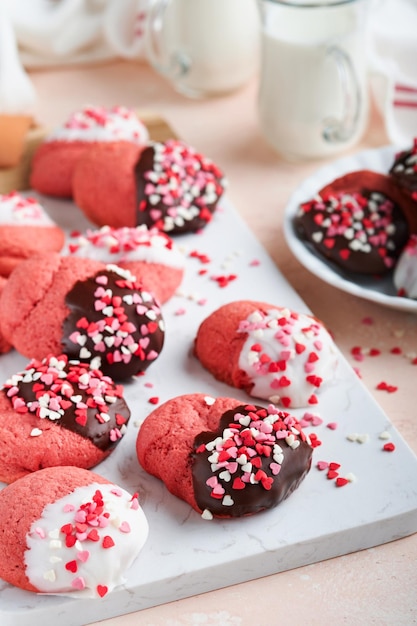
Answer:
(102, 590)
(71, 566)
(107, 542)
(83, 556)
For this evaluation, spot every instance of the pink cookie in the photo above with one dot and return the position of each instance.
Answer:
(167, 185)
(5, 346)
(58, 412)
(55, 159)
(68, 531)
(225, 458)
(25, 230)
(271, 352)
(149, 254)
(85, 309)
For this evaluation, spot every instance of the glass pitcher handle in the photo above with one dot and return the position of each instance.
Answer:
(172, 65)
(341, 130)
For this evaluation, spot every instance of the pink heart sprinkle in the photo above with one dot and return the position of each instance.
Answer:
(275, 468)
(144, 342)
(322, 465)
(48, 379)
(78, 583)
(124, 527)
(83, 555)
(102, 280)
(155, 214)
(68, 508)
(212, 481)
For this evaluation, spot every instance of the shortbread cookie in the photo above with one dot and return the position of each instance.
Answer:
(69, 531)
(25, 230)
(55, 159)
(224, 457)
(404, 171)
(85, 309)
(271, 352)
(167, 185)
(359, 222)
(58, 412)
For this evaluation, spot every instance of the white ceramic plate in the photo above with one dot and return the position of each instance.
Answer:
(380, 290)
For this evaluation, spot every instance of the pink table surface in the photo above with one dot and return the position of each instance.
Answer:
(374, 586)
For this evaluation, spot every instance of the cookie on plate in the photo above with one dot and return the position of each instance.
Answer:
(404, 171)
(269, 351)
(58, 412)
(405, 272)
(69, 531)
(92, 312)
(168, 185)
(148, 253)
(25, 230)
(224, 457)
(55, 159)
(359, 222)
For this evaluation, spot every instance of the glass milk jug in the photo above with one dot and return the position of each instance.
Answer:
(313, 94)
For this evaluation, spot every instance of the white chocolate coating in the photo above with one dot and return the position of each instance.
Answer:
(92, 566)
(17, 210)
(115, 245)
(99, 124)
(405, 273)
(287, 356)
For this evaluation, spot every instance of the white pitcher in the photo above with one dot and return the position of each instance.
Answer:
(204, 47)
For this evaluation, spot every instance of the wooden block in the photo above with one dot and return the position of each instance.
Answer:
(17, 178)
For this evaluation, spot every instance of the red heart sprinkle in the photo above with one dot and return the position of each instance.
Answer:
(238, 483)
(81, 419)
(93, 535)
(107, 542)
(341, 482)
(389, 447)
(71, 566)
(332, 474)
(102, 590)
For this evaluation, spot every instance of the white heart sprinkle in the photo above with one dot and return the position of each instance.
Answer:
(227, 501)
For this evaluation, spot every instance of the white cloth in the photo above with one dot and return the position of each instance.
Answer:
(43, 33)
(51, 32)
(393, 66)
(17, 95)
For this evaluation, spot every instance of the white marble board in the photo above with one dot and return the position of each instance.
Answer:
(186, 555)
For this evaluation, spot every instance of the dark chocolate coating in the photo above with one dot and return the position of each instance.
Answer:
(81, 301)
(404, 170)
(254, 497)
(96, 431)
(203, 209)
(311, 225)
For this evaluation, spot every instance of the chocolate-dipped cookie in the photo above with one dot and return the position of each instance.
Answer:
(58, 411)
(167, 185)
(224, 457)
